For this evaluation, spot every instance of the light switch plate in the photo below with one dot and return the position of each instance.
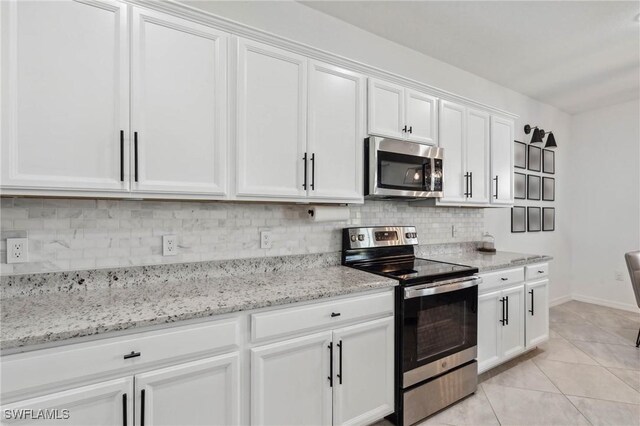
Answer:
(169, 245)
(17, 250)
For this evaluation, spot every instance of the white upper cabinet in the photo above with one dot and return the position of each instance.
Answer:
(421, 113)
(386, 109)
(501, 161)
(271, 121)
(178, 98)
(452, 139)
(477, 156)
(65, 95)
(336, 133)
(401, 113)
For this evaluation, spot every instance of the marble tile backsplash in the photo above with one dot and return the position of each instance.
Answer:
(78, 234)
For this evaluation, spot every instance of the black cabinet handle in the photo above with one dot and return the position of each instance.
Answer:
(466, 185)
(507, 303)
(502, 321)
(330, 365)
(304, 185)
(313, 171)
(404, 129)
(132, 355)
(470, 184)
(135, 153)
(335, 314)
(541, 272)
(121, 155)
(531, 310)
(340, 357)
(496, 194)
(142, 407)
(410, 129)
(124, 409)
(504, 279)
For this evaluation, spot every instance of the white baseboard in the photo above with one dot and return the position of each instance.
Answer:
(604, 302)
(560, 300)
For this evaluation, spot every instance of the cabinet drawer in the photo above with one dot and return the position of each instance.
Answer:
(501, 278)
(84, 361)
(292, 320)
(533, 272)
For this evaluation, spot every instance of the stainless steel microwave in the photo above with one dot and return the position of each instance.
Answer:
(401, 169)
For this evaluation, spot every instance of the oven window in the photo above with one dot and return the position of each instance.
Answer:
(398, 171)
(441, 329)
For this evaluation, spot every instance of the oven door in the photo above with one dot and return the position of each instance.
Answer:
(439, 330)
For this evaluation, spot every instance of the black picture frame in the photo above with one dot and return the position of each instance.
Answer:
(519, 155)
(548, 161)
(518, 219)
(533, 187)
(533, 219)
(548, 189)
(548, 219)
(534, 158)
(519, 186)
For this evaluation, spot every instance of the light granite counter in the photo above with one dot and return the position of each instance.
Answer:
(492, 261)
(45, 308)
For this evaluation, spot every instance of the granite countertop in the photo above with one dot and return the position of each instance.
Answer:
(35, 318)
(492, 261)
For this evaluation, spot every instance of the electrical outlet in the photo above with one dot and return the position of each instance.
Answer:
(618, 276)
(17, 250)
(169, 245)
(454, 231)
(265, 239)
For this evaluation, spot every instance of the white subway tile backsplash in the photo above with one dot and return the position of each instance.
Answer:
(70, 234)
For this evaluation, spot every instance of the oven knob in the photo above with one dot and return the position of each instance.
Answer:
(408, 235)
(360, 237)
(353, 238)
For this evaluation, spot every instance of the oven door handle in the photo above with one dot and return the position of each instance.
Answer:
(444, 287)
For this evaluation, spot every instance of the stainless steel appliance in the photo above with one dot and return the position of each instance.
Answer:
(401, 169)
(436, 318)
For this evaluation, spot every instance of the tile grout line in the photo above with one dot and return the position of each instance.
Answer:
(490, 405)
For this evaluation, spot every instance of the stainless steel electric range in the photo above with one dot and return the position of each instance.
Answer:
(436, 319)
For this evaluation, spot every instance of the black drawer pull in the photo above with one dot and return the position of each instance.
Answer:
(132, 355)
(541, 272)
(504, 279)
(335, 314)
(124, 409)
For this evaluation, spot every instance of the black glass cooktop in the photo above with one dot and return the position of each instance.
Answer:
(417, 270)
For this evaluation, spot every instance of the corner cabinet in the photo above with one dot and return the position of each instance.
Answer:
(402, 113)
(300, 127)
(513, 314)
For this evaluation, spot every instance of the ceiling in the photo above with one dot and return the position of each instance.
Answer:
(575, 55)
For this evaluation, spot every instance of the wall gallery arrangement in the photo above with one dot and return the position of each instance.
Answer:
(534, 187)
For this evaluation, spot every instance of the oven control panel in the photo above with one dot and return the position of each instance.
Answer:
(379, 236)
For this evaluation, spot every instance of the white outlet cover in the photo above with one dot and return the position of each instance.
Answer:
(169, 245)
(17, 250)
(265, 239)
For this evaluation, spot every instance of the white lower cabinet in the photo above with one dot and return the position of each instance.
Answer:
(512, 318)
(105, 403)
(537, 315)
(204, 392)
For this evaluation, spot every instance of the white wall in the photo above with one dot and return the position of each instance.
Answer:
(300, 23)
(605, 195)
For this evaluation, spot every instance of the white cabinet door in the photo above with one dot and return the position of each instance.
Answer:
(107, 403)
(336, 133)
(513, 330)
(537, 315)
(501, 161)
(421, 117)
(290, 382)
(477, 155)
(489, 330)
(386, 109)
(452, 138)
(204, 392)
(363, 383)
(65, 95)
(178, 98)
(271, 121)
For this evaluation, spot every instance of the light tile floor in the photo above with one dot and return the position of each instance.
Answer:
(587, 373)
